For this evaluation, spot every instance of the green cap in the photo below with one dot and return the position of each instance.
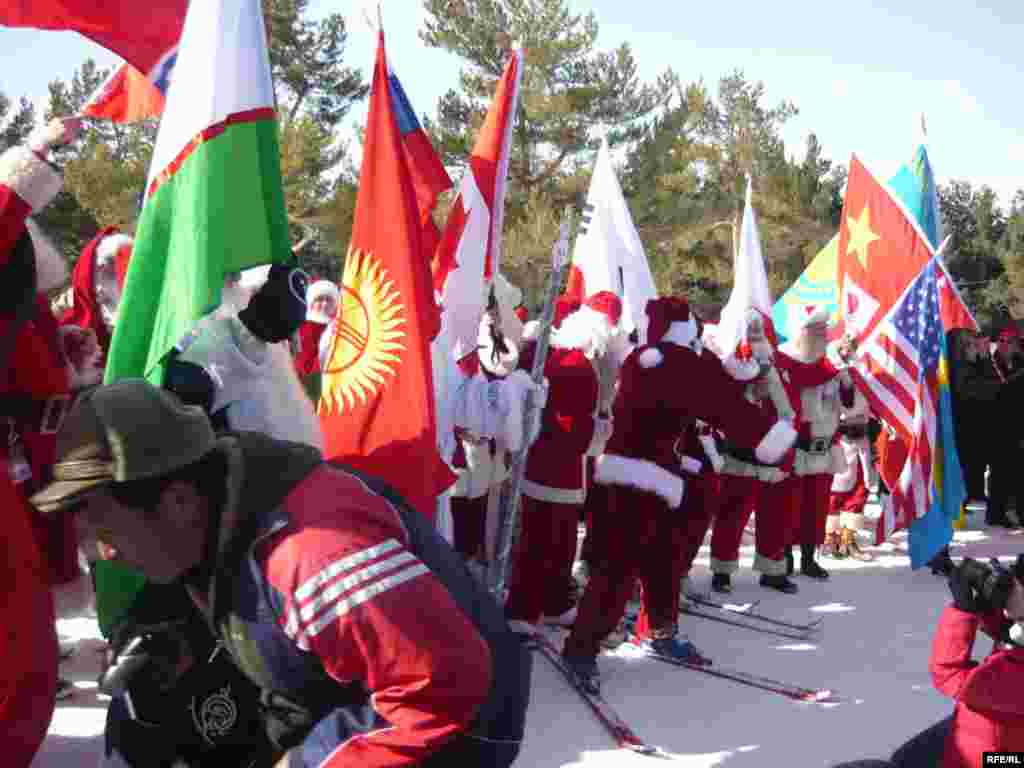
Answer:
(128, 430)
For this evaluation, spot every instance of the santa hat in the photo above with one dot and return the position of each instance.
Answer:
(564, 306)
(663, 313)
(807, 315)
(319, 290)
(85, 310)
(605, 303)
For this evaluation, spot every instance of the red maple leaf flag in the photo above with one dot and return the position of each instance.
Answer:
(881, 250)
(377, 403)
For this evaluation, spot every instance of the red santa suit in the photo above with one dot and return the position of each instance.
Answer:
(553, 486)
(96, 284)
(817, 382)
(849, 492)
(35, 387)
(652, 412)
(307, 361)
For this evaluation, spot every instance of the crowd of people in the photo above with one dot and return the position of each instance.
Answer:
(296, 612)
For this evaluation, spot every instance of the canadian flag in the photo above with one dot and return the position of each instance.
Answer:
(750, 286)
(470, 248)
(609, 255)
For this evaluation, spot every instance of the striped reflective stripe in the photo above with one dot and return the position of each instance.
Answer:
(341, 607)
(314, 584)
(345, 583)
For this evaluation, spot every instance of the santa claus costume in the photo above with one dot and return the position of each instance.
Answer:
(849, 493)
(35, 387)
(645, 478)
(322, 299)
(553, 487)
(804, 365)
(96, 284)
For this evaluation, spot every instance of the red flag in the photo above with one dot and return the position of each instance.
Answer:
(127, 96)
(377, 402)
(429, 177)
(469, 252)
(881, 250)
(143, 34)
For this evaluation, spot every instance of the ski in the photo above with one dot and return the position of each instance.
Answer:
(737, 622)
(750, 611)
(795, 692)
(618, 728)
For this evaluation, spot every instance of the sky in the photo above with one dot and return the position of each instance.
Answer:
(862, 74)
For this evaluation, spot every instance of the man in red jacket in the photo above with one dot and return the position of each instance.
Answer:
(989, 712)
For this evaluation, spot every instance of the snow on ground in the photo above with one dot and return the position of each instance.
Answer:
(873, 652)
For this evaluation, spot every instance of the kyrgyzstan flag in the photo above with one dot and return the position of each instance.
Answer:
(127, 96)
(881, 250)
(377, 402)
(145, 34)
(470, 249)
(609, 255)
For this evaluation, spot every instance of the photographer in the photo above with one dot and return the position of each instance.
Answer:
(989, 713)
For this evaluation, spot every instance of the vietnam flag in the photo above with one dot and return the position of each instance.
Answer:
(127, 96)
(145, 34)
(377, 403)
(881, 250)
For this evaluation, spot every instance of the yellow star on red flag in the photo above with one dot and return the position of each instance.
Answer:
(860, 235)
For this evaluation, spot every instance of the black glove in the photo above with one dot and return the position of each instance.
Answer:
(145, 657)
(278, 308)
(980, 588)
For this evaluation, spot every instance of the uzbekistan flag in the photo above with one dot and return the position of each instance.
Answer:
(214, 204)
(214, 201)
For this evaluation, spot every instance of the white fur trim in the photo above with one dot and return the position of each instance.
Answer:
(769, 567)
(30, 178)
(51, 269)
(650, 358)
(852, 520)
(683, 334)
(643, 475)
(832, 524)
(110, 245)
(774, 445)
(742, 370)
(552, 494)
(728, 567)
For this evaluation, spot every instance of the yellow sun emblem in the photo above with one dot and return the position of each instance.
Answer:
(364, 353)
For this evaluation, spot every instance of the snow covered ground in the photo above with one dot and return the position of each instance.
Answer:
(872, 651)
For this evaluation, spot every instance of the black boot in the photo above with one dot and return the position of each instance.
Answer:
(780, 583)
(789, 561)
(721, 582)
(808, 567)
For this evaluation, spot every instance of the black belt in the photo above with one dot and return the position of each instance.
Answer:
(746, 455)
(817, 446)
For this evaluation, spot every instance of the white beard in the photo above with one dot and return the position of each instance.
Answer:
(317, 316)
(51, 269)
(585, 330)
(806, 348)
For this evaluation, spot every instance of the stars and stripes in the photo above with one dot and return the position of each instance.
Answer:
(899, 372)
(346, 583)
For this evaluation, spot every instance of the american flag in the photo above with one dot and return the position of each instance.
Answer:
(899, 373)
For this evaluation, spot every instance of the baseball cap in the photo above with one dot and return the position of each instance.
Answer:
(128, 430)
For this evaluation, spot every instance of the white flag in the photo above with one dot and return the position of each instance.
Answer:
(609, 255)
(750, 285)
